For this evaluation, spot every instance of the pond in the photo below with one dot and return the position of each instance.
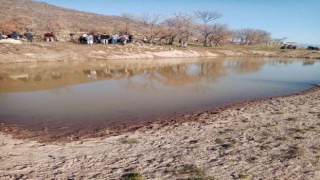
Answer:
(110, 94)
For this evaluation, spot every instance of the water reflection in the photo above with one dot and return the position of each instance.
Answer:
(246, 66)
(308, 62)
(113, 92)
(30, 77)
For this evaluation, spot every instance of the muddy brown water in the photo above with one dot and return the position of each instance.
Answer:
(111, 94)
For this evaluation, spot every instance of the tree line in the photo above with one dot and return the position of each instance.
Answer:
(201, 27)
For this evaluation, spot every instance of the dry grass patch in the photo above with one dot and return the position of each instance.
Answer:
(290, 152)
(192, 172)
(126, 140)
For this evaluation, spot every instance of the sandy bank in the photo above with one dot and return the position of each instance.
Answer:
(268, 139)
(65, 51)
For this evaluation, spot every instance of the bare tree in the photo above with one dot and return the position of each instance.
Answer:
(250, 36)
(161, 35)
(206, 17)
(185, 27)
(278, 41)
(128, 18)
(144, 18)
(171, 32)
(220, 34)
(150, 21)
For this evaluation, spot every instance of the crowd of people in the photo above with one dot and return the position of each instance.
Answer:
(85, 38)
(14, 35)
(104, 38)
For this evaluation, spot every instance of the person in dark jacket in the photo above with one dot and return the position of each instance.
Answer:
(15, 35)
(104, 38)
(130, 38)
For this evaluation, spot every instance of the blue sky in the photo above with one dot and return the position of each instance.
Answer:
(298, 20)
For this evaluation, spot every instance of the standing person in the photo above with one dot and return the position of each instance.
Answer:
(29, 36)
(115, 38)
(83, 38)
(96, 38)
(89, 39)
(15, 35)
(123, 39)
(104, 38)
(49, 37)
(130, 38)
(72, 39)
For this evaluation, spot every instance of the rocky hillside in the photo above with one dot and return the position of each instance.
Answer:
(19, 15)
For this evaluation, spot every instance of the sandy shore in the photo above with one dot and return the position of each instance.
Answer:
(66, 51)
(277, 138)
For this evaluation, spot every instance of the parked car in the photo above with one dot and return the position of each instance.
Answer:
(312, 48)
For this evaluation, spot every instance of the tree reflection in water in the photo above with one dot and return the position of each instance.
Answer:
(101, 93)
(175, 73)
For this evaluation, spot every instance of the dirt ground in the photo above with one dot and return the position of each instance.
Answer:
(276, 138)
(67, 51)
